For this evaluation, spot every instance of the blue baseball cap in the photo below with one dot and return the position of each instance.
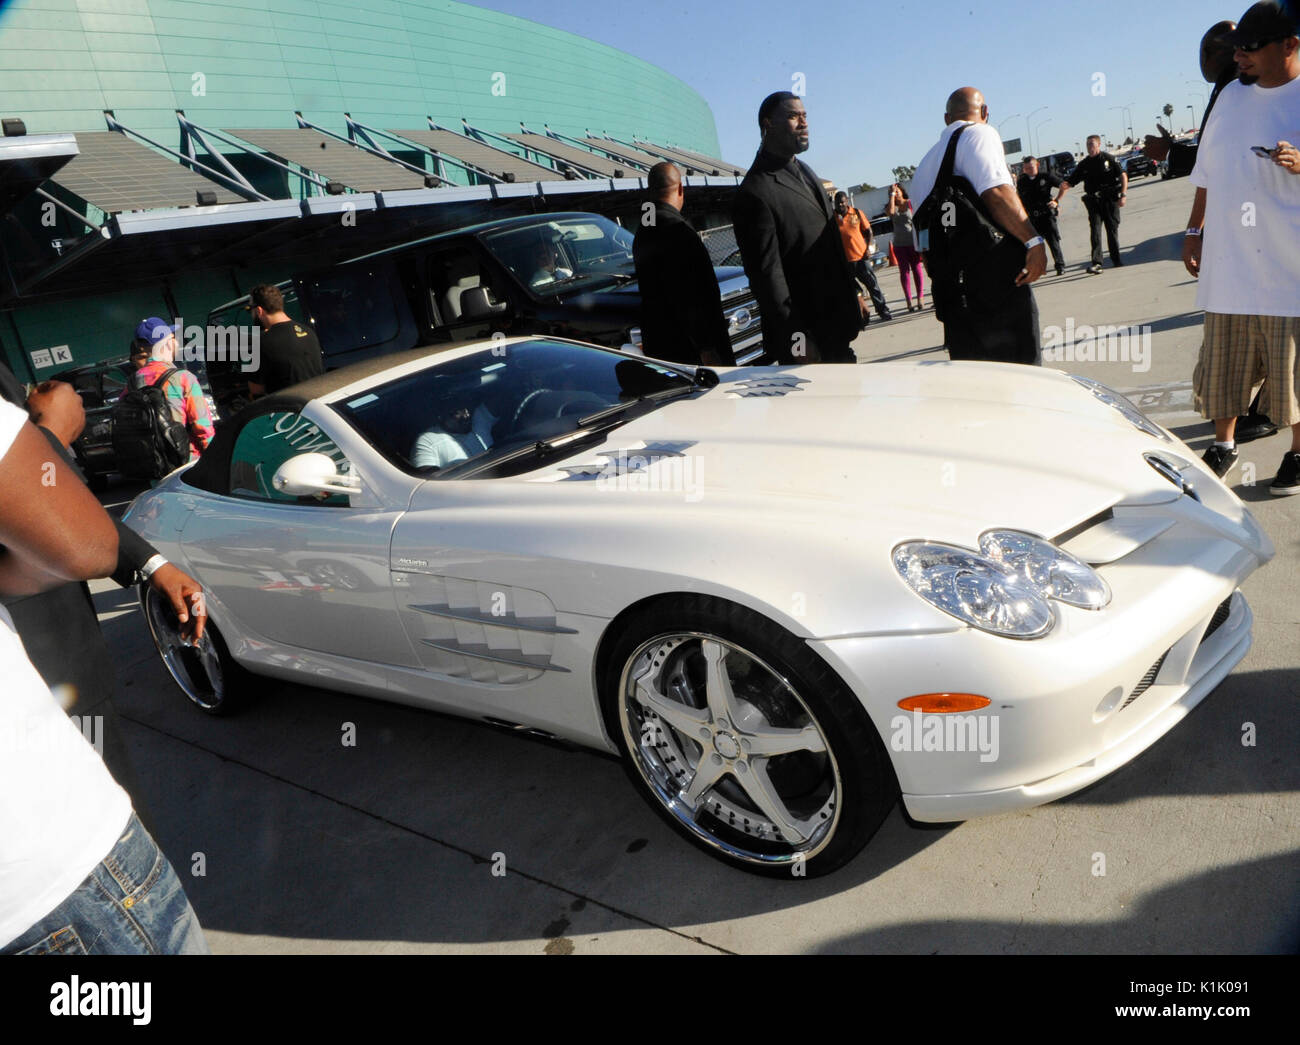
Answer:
(154, 330)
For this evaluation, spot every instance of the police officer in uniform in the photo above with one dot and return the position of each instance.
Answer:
(1035, 190)
(1105, 186)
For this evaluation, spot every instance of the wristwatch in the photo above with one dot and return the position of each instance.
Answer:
(1192, 232)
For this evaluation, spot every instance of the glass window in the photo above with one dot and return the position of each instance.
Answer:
(560, 255)
(266, 442)
(452, 275)
(352, 307)
(488, 403)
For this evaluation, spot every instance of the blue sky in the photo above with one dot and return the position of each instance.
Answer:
(877, 74)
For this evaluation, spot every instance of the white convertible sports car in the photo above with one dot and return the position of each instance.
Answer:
(781, 613)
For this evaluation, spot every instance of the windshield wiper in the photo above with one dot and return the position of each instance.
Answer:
(587, 427)
(622, 408)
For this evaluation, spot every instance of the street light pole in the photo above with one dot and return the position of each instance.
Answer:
(1029, 129)
(1041, 125)
(1121, 122)
(1007, 119)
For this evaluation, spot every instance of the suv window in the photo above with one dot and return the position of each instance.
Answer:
(265, 443)
(352, 308)
(463, 289)
(558, 256)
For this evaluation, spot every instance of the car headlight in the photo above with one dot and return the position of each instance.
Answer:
(1131, 413)
(974, 589)
(1053, 573)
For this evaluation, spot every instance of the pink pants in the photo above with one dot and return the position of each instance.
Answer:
(909, 264)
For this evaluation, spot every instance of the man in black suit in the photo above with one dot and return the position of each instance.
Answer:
(808, 301)
(681, 304)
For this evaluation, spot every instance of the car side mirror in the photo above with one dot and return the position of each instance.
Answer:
(310, 475)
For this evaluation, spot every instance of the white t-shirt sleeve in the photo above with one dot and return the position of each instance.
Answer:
(436, 449)
(980, 158)
(12, 420)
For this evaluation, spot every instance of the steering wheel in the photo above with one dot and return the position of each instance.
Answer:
(559, 404)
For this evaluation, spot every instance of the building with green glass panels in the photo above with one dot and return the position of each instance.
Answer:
(390, 64)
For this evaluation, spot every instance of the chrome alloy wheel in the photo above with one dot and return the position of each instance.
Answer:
(195, 667)
(729, 748)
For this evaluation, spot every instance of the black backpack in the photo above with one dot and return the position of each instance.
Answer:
(972, 262)
(147, 440)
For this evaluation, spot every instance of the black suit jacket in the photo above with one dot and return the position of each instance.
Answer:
(681, 303)
(795, 262)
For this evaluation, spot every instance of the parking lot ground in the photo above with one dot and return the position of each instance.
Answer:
(396, 844)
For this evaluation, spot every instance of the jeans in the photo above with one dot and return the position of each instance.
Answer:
(863, 274)
(131, 903)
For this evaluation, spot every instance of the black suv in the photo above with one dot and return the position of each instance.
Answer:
(568, 275)
(1138, 165)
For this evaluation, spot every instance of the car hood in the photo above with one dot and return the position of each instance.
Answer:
(937, 450)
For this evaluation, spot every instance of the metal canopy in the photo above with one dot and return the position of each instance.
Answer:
(332, 159)
(115, 174)
(646, 159)
(570, 154)
(475, 153)
(301, 236)
(27, 161)
(706, 164)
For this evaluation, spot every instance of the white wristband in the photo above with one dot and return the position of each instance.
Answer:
(1036, 241)
(1192, 232)
(151, 566)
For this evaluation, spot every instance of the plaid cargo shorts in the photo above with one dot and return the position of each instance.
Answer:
(1239, 352)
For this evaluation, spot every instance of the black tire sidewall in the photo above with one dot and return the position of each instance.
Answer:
(869, 789)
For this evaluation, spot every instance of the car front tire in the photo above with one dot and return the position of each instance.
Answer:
(743, 739)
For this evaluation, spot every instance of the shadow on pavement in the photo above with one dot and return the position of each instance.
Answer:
(1212, 906)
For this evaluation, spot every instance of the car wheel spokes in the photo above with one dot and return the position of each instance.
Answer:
(713, 730)
(196, 668)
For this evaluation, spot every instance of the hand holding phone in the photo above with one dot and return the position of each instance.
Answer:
(1262, 150)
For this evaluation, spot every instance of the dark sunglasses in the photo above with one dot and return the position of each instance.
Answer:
(1257, 45)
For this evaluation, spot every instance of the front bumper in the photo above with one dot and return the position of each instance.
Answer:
(1170, 704)
(1069, 708)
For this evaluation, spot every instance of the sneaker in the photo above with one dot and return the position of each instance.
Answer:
(1220, 460)
(1287, 481)
(1253, 426)
(1094, 269)
(1060, 270)
(886, 316)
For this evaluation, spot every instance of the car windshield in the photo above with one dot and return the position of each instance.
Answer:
(458, 417)
(557, 256)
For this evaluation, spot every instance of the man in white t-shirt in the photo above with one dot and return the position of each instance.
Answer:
(998, 323)
(461, 434)
(79, 874)
(1243, 241)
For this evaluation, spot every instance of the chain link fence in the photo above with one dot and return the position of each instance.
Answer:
(721, 245)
